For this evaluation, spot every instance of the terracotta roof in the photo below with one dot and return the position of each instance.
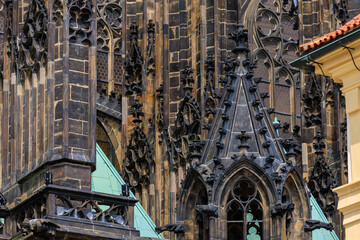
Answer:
(346, 28)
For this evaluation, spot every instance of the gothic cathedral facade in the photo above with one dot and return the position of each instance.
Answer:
(193, 102)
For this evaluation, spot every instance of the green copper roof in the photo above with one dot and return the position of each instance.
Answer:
(317, 214)
(106, 179)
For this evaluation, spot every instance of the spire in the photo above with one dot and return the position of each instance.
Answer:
(242, 115)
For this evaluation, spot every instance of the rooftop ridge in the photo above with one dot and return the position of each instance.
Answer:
(345, 29)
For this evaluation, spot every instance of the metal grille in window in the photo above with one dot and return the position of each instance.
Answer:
(117, 89)
(102, 69)
(102, 65)
(244, 212)
(117, 68)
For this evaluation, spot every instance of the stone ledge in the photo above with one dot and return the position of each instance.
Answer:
(349, 201)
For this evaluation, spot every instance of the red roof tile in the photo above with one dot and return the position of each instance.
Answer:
(346, 28)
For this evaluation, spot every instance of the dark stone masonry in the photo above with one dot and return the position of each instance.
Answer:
(193, 102)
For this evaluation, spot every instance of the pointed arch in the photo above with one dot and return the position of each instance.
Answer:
(248, 169)
(294, 191)
(265, 70)
(266, 194)
(194, 192)
(108, 128)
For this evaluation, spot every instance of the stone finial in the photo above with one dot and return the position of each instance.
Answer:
(319, 145)
(240, 36)
(290, 153)
(210, 64)
(196, 148)
(134, 30)
(136, 112)
(151, 27)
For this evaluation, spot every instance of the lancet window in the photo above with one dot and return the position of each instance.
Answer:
(109, 60)
(244, 212)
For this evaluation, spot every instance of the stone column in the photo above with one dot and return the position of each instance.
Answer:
(74, 96)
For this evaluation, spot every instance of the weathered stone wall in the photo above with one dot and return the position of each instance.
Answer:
(48, 99)
(50, 113)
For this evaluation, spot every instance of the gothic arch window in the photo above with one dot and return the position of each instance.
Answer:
(109, 60)
(102, 139)
(275, 35)
(286, 198)
(201, 219)
(244, 212)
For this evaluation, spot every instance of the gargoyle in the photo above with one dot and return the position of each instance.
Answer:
(281, 208)
(172, 227)
(210, 210)
(311, 225)
(38, 226)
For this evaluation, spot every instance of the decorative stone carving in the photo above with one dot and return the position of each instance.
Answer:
(321, 180)
(344, 152)
(133, 63)
(329, 91)
(80, 21)
(91, 210)
(57, 12)
(138, 164)
(172, 227)
(109, 24)
(187, 123)
(33, 42)
(281, 208)
(9, 21)
(160, 113)
(240, 36)
(150, 51)
(35, 210)
(311, 225)
(210, 94)
(340, 11)
(209, 210)
(244, 146)
(274, 45)
(39, 226)
(312, 98)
